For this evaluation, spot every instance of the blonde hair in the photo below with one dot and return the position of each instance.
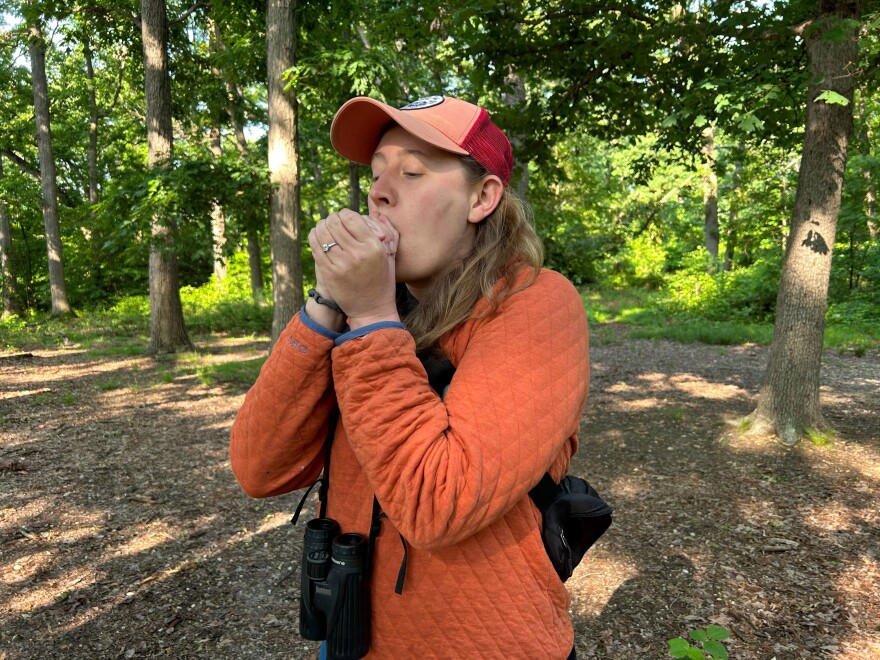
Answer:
(504, 245)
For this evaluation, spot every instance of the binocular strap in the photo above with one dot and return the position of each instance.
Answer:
(375, 530)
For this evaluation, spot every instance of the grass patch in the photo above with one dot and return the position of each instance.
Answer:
(847, 338)
(244, 372)
(644, 313)
(619, 306)
(119, 350)
(820, 438)
(708, 332)
(108, 385)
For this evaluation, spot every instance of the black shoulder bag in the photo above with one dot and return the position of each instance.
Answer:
(573, 514)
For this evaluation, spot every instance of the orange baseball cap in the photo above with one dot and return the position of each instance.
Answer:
(445, 122)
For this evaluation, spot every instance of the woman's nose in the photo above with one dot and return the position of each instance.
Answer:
(382, 192)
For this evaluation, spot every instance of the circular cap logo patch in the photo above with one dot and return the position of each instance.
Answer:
(421, 104)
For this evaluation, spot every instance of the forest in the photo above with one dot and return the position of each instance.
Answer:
(706, 173)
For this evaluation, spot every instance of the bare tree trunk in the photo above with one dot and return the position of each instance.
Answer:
(710, 193)
(37, 48)
(733, 217)
(515, 97)
(867, 140)
(94, 116)
(284, 214)
(255, 259)
(788, 403)
(8, 284)
(233, 101)
(167, 330)
(218, 217)
(215, 145)
(354, 187)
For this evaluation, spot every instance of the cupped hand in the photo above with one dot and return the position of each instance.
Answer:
(358, 271)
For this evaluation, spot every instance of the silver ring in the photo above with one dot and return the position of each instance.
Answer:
(326, 246)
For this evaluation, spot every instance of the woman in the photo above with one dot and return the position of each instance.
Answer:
(451, 474)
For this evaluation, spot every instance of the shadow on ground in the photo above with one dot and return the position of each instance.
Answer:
(123, 533)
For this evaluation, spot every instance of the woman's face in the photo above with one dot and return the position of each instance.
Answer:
(425, 194)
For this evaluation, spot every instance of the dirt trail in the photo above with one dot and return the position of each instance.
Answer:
(124, 535)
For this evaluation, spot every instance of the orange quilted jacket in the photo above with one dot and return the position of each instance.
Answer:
(452, 475)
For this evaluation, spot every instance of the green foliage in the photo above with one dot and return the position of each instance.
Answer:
(710, 644)
(226, 306)
(832, 98)
(819, 437)
(212, 307)
(744, 294)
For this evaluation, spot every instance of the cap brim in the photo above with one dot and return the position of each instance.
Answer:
(359, 124)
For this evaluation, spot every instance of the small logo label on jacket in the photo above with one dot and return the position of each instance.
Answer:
(295, 343)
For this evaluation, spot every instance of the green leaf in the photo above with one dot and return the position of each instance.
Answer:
(698, 635)
(716, 649)
(718, 632)
(678, 647)
(700, 121)
(749, 123)
(831, 97)
(695, 654)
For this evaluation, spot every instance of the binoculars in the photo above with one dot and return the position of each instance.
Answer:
(335, 593)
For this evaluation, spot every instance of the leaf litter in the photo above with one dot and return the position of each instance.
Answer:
(124, 535)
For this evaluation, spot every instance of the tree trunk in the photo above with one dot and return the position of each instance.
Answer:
(733, 217)
(788, 402)
(867, 140)
(93, 122)
(710, 193)
(515, 97)
(167, 330)
(284, 213)
(8, 284)
(354, 187)
(37, 48)
(255, 261)
(218, 217)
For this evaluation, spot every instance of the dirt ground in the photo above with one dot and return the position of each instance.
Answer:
(124, 535)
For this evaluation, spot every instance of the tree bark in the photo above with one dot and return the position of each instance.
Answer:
(167, 330)
(710, 193)
(218, 217)
(94, 116)
(788, 402)
(255, 261)
(48, 181)
(354, 186)
(284, 215)
(867, 140)
(732, 236)
(515, 97)
(8, 284)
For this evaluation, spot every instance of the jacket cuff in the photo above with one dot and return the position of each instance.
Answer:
(311, 324)
(367, 329)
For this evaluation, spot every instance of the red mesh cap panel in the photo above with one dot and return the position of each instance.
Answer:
(488, 145)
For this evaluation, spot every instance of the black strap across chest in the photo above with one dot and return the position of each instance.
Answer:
(440, 371)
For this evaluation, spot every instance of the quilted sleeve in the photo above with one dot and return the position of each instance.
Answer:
(443, 470)
(278, 434)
